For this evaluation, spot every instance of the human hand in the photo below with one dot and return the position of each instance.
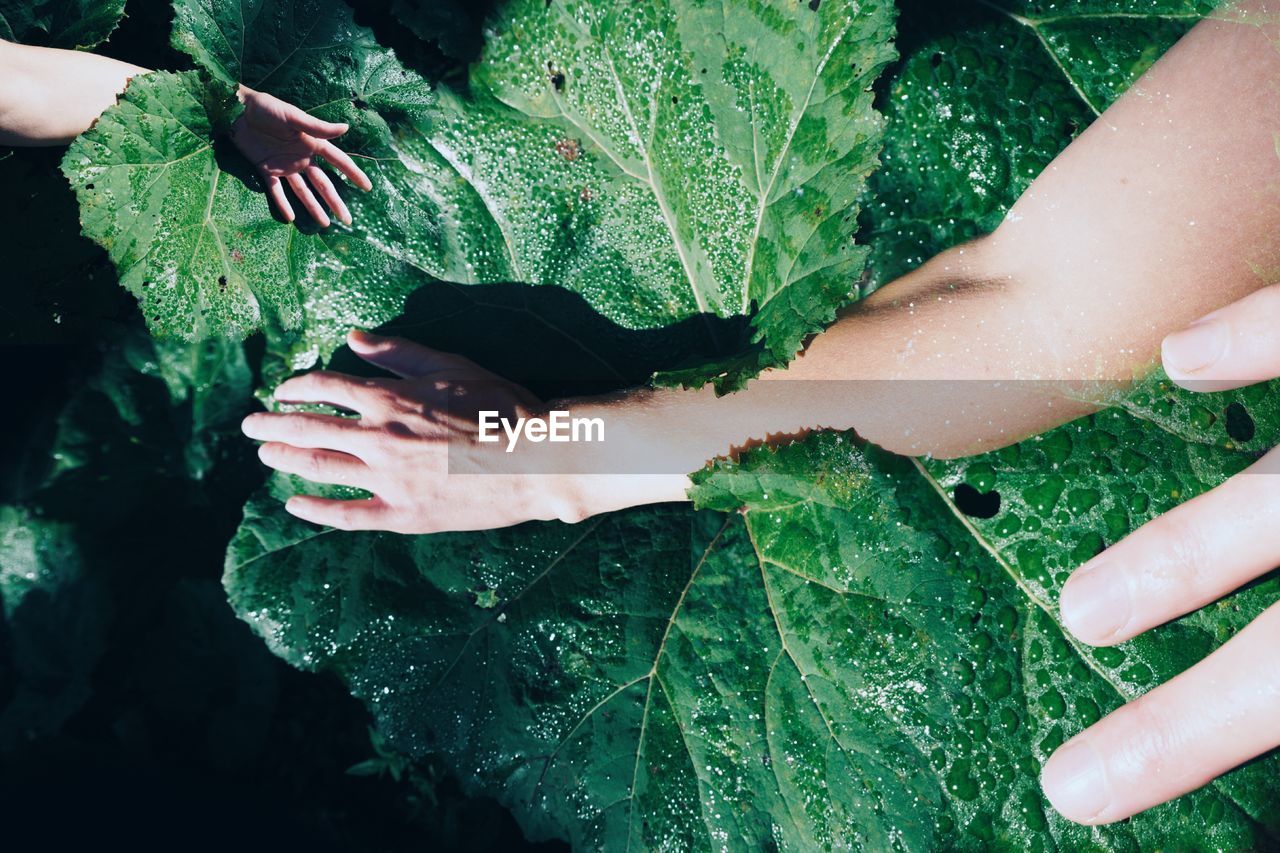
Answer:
(1224, 710)
(409, 434)
(283, 142)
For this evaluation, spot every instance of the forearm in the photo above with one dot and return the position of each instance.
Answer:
(50, 96)
(1166, 208)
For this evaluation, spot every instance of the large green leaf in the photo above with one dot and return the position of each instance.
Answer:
(849, 663)
(71, 24)
(196, 244)
(663, 160)
(850, 660)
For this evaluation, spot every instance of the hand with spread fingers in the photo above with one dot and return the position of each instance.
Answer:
(398, 445)
(283, 142)
(411, 438)
(1226, 709)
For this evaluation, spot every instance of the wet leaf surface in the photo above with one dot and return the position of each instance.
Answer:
(843, 656)
(660, 160)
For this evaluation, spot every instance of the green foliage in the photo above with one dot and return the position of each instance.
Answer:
(195, 244)
(849, 659)
(829, 652)
(660, 160)
(985, 96)
(454, 25)
(153, 415)
(70, 24)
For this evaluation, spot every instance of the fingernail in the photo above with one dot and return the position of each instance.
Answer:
(1196, 347)
(1075, 782)
(1095, 603)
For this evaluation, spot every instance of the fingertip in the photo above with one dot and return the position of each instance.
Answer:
(1075, 782)
(1194, 350)
(1095, 604)
(361, 338)
(249, 425)
(298, 505)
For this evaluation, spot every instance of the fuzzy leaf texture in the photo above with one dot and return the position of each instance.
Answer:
(849, 660)
(662, 160)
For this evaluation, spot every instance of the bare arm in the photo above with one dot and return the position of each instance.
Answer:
(50, 96)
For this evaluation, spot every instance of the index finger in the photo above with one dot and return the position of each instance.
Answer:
(341, 161)
(1180, 736)
(1192, 555)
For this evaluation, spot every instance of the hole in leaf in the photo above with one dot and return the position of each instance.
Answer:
(1240, 424)
(814, 4)
(557, 77)
(976, 504)
(936, 60)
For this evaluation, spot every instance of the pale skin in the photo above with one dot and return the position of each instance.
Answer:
(1162, 214)
(50, 96)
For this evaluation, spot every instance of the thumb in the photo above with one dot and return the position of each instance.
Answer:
(307, 123)
(402, 357)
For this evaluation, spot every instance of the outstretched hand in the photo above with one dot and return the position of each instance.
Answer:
(401, 445)
(283, 142)
(1222, 711)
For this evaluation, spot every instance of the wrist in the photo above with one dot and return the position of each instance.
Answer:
(650, 444)
(662, 431)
